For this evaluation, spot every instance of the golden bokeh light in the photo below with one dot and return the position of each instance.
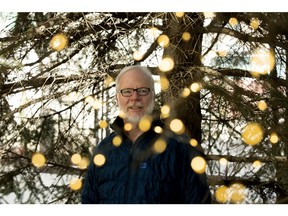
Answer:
(256, 164)
(262, 105)
(76, 158)
(222, 53)
(38, 160)
(186, 36)
(137, 55)
(103, 124)
(195, 87)
(163, 40)
(165, 111)
(198, 164)
(59, 42)
(237, 193)
(274, 138)
(166, 64)
(145, 123)
(177, 126)
(83, 163)
(159, 146)
(89, 99)
(108, 81)
(209, 14)
(262, 62)
(193, 142)
(233, 21)
(221, 194)
(185, 92)
(253, 133)
(223, 161)
(128, 126)
(254, 23)
(117, 141)
(164, 82)
(99, 160)
(158, 129)
(122, 114)
(154, 31)
(75, 184)
(179, 14)
(94, 102)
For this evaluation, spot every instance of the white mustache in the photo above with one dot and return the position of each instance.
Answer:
(139, 105)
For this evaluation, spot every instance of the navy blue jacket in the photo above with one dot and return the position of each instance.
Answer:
(134, 173)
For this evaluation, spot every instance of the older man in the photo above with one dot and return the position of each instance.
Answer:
(132, 171)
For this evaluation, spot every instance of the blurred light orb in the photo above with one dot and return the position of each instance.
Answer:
(164, 82)
(274, 138)
(253, 133)
(159, 146)
(76, 184)
(122, 114)
(108, 81)
(103, 124)
(166, 64)
(165, 111)
(223, 161)
(262, 62)
(254, 23)
(195, 87)
(209, 14)
(128, 126)
(262, 105)
(237, 193)
(186, 36)
(137, 55)
(158, 129)
(233, 21)
(256, 164)
(177, 126)
(221, 194)
(89, 99)
(154, 31)
(186, 92)
(198, 164)
(117, 141)
(83, 163)
(179, 14)
(193, 142)
(38, 160)
(59, 42)
(222, 53)
(76, 158)
(145, 123)
(163, 40)
(99, 160)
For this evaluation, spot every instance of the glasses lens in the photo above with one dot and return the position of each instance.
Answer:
(143, 91)
(127, 92)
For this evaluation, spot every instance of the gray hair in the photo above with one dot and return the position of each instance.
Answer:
(143, 69)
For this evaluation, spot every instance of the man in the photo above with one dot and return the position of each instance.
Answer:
(132, 171)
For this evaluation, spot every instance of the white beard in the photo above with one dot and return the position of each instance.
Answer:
(137, 118)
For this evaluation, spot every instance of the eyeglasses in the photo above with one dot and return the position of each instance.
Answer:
(128, 92)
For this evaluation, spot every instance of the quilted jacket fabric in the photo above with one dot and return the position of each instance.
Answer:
(134, 173)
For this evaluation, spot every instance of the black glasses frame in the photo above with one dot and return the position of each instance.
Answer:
(128, 92)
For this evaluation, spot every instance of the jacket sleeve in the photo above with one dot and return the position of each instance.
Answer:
(194, 187)
(90, 190)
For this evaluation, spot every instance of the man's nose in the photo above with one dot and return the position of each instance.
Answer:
(134, 96)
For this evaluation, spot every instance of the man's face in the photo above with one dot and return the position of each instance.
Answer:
(135, 106)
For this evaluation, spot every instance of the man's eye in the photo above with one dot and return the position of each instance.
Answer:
(126, 91)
